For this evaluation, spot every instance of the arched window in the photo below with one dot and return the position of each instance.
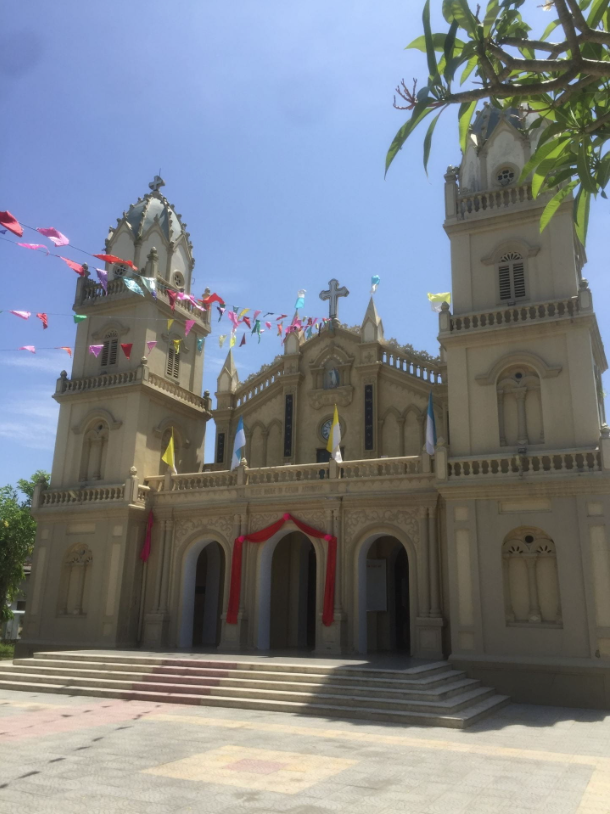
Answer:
(110, 349)
(173, 361)
(511, 277)
(75, 578)
(95, 447)
(531, 587)
(519, 406)
(332, 377)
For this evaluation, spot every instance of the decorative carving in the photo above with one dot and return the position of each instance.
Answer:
(406, 520)
(341, 396)
(204, 526)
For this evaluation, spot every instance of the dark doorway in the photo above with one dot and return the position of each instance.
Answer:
(386, 582)
(207, 607)
(293, 594)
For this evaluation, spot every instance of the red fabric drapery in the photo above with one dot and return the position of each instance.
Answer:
(328, 613)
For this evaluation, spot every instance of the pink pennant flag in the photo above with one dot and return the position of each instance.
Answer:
(256, 313)
(267, 324)
(102, 276)
(74, 266)
(22, 314)
(188, 325)
(31, 348)
(54, 236)
(34, 246)
(151, 344)
(234, 320)
(95, 350)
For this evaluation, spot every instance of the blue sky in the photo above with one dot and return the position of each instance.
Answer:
(269, 121)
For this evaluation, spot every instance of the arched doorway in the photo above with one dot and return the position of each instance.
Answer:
(384, 596)
(288, 595)
(202, 595)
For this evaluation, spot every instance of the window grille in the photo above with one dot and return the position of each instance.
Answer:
(511, 276)
(173, 362)
(110, 349)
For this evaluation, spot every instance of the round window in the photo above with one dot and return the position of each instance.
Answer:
(505, 176)
(120, 270)
(178, 279)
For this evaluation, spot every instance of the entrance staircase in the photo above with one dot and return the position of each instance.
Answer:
(432, 694)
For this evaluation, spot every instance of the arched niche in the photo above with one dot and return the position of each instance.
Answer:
(74, 583)
(94, 450)
(217, 597)
(531, 585)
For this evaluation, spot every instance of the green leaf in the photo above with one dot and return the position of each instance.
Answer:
(491, 14)
(549, 29)
(471, 65)
(428, 140)
(581, 214)
(554, 204)
(432, 67)
(450, 43)
(550, 149)
(544, 168)
(598, 9)
(439, 41)
(420, 111)
(459, 11)
(464, 118)
(584, 169)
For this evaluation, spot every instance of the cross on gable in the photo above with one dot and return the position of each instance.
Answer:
(156, 183)
(332, 295)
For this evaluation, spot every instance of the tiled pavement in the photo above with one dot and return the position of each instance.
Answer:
(76, 755)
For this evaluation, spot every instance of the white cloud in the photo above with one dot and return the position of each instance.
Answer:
(31, 420)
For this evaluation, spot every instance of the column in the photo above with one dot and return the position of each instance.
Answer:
(335, 529)
(79, 568)
(95, 458)
(434, 574)
(521, 420)
(501, 417)
(424, 599)
(534, 614)
(157, 604)
(167, 554)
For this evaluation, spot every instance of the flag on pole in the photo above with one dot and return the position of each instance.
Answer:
(430, 428)
(239, 444)
(169, 456)
(375, 280)
(437, 300)
(334, 438)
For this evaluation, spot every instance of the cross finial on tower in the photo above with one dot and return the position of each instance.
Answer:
(332, 295)
(156, 183)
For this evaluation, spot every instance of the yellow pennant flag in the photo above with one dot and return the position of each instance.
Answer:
(243, 312)
(169, 456)
(437, 300)
(170, 322)
(177, 346)
(334, 438)
(232, 341)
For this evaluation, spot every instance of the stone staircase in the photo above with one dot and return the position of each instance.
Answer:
(432, 694)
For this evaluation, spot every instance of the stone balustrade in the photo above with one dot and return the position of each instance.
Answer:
(381, 467)
(493, 201)
(103, 380)
(248, 390)
(89, 495)
(534, 312)
(399, 361)
(542, 463)
(287, 474)
(174, 390)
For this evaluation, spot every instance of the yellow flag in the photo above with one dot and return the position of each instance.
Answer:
(243, 312)
(334, 438)
(233, 340)
(436, 300)
(170, 322)
(177, 346)
(169, 456)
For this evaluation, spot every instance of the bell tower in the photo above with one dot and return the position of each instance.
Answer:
(523, 348)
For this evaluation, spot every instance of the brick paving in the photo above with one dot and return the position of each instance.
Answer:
(78, 755)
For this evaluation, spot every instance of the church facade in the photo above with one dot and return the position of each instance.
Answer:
(492, 552)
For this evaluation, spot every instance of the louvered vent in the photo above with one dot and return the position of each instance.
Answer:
(173, 363)
(505, 291)
(109, 351)
(511, 276)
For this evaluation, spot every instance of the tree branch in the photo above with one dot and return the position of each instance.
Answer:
(567, 23)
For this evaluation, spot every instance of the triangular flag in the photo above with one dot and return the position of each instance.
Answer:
(212, 298)
(243, 312)
(132, 286)
(170, 322)
(169, 456)
(95, 350)
(255, 314)
(79, 318)
(67, 350)
(188, 325)
(22, 314)
(246, 321)
(177, 346)
(280, 328)
(74, 266)
(232, 341)
(200, 341)
(127, 349)
(374, 283)
(44, 319)
(110, 258)
(56, 238)
(243, 340)
(220, 311)
(31, 348)
(151, 344)
(221, 340)
(102, 276)
(11, 223)
(437, 300)
(334, 438)
(171, 295)
(267, 324)
(35, 246)
(151, 285)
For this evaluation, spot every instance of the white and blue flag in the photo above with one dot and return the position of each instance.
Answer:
(240, 443)
(430, 428)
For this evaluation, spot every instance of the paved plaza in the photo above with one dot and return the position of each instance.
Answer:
(77, 755)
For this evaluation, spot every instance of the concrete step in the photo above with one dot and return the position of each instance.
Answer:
(458, 718)
(317, 694)
(424, 683)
